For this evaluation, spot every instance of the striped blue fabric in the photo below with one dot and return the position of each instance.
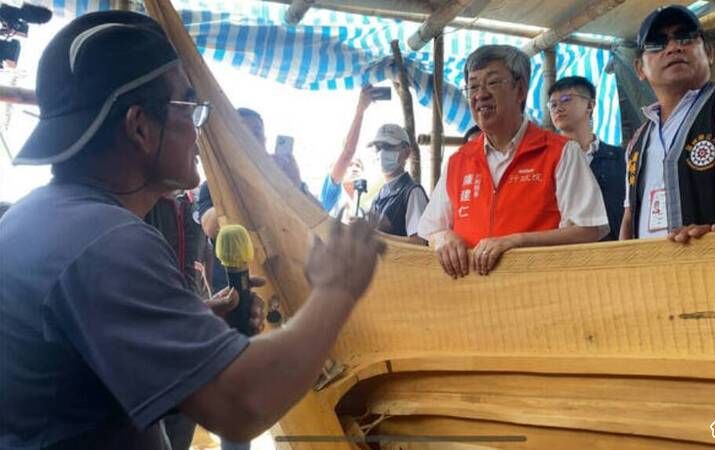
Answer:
(332, 50)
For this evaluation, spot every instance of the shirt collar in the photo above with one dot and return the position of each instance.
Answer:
(593, 146)
(515, 141)
(392, 182)
(652, 112)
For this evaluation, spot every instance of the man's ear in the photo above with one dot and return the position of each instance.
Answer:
(140, 129)
(523, 90)
(638, 66)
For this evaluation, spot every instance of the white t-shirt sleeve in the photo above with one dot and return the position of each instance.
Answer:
(416, 204)
(578, 195)
(437, 216)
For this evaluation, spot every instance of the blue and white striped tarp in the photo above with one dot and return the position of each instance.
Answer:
(332, 50)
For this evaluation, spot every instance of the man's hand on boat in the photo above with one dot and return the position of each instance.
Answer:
(456, 259)
(486, 254)
(346, 260)
(684, 234)
(453, 255)
(226, 300)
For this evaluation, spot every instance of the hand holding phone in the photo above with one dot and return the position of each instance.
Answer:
(381, 93)
(284, 145)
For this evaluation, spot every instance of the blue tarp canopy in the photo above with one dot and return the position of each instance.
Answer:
(333, 50)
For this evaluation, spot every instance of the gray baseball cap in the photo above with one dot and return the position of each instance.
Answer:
(390, 134)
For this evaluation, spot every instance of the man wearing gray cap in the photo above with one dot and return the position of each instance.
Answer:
(670, 184)
(398, 206)
(101, 336)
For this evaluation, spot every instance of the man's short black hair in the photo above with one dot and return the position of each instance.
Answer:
(248, 112)
(471, 132)
(574, 82)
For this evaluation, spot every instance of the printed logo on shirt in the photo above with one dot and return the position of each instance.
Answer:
(467, 180)
(525, 176)
(465, 196)
(463, 211)
(477, 185)
(702, 153)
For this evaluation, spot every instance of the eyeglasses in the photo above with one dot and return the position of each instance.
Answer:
(199, 111)
(380, 146)
(660, 41)
(564, 101)
(490, 86)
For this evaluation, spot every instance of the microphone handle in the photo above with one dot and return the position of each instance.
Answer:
(240, 317)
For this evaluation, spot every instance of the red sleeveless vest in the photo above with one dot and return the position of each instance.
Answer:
(524, 200)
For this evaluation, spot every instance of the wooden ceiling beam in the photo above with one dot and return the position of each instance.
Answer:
(553, 36)
(441, 17)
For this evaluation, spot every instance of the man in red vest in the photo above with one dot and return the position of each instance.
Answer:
(516, 185)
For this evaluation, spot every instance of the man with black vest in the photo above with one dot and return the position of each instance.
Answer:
(671, 159)
(398, 206)
(571, 103)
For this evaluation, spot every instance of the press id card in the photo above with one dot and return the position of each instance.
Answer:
(658, 219)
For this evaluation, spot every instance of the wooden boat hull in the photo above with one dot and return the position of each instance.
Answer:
(590, 346)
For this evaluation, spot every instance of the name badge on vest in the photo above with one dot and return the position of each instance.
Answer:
(658, 219)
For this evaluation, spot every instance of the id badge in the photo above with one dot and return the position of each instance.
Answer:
(658, 219)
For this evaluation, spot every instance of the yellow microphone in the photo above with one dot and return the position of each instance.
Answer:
(235, 251)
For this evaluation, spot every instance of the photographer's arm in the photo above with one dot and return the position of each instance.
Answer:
(343, 162)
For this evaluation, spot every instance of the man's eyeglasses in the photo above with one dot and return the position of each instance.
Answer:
(564, 101)
(659, 42)
(490, 86)
(199, 111)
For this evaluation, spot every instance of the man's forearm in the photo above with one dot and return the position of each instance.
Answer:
(343, 162)
(278, 368)
(626, 231)
(562, 236)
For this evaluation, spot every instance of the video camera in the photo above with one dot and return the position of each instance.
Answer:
(15, 21)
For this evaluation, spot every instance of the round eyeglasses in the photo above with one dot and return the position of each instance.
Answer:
(564, 101)
(199, 111)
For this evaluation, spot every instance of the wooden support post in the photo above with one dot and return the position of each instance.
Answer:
(447, 141)
(122, 5)
(17, 95)
(437, 128)
(403, 89)
(549, 80)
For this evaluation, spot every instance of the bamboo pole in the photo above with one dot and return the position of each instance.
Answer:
(549, 80)
(437, 21)
(297, 10)
(403, 89)
(551, 37)
(122, 5)
(493, 26)
(17, 95)
(447, 141)
(437, 129)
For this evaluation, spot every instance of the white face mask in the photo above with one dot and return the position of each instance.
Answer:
(389, 160)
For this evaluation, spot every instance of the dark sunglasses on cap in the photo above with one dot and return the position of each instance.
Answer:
(659, 42)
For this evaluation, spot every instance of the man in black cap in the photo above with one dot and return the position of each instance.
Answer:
(671, 159)
(100, 335)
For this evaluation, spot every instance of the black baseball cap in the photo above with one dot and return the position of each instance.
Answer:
(667, 15)
(84, 69)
